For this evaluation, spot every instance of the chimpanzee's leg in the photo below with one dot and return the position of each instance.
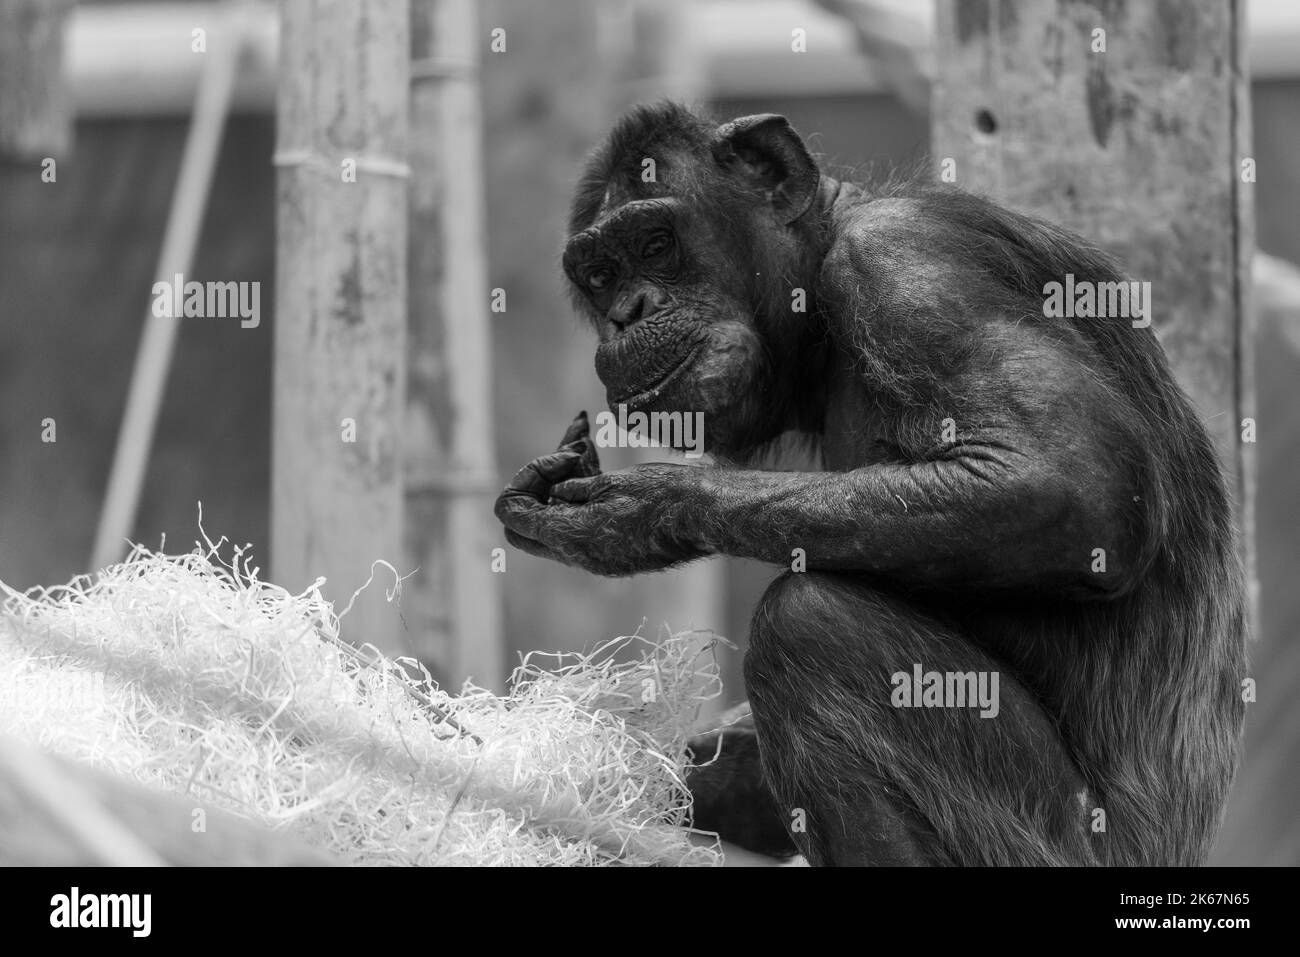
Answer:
(861, 781)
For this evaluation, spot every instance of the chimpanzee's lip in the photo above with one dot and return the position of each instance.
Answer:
(646, 395)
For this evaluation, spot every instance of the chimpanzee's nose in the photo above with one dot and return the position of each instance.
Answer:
(634, 307)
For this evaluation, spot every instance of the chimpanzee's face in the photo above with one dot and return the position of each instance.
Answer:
(668, 297)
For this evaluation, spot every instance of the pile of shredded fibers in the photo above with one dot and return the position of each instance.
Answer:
(190, 675)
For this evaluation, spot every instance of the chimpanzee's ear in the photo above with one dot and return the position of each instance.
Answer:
(769, 153)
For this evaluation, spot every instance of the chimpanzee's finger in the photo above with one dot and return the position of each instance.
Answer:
(577, 429)
(589, 466)
(529, 491)
(590, 460)
(527, 507)
(578, 439)
(576, 491)
(531, 546)
(537, 477)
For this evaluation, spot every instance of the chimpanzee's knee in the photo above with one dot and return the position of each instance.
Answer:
(811, 620)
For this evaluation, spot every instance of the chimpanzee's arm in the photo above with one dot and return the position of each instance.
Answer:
(989, 520)
(1022, 505)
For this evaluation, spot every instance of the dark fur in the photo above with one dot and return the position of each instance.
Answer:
(1120, 689)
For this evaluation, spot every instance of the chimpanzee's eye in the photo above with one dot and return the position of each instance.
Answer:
(600, 277)
(658, 244)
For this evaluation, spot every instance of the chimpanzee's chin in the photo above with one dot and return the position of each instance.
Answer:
(657, 399)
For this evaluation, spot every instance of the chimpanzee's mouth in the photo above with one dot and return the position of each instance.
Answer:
(644, 396)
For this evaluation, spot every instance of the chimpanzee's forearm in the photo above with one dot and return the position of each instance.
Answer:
(940, 523)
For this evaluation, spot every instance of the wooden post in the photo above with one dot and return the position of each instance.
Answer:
(35, 108)
(1127, 122)
(340, 319)
(452, 604)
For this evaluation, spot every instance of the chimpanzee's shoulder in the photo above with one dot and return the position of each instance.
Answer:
(872, 234)
(878, 215)
(941, 228)
(911, 214)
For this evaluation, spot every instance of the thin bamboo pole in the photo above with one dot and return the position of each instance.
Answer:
(158, 341)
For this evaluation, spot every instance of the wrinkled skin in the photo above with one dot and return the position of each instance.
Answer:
(568, 482)
(974, 457)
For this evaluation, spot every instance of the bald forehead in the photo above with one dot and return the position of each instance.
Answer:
(655, 174)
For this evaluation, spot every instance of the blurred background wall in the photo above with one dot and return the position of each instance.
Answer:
(75, 274)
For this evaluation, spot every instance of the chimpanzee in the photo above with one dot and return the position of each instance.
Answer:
(1002, 495)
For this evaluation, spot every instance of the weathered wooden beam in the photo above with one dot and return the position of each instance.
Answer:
(108, 76)
(340, 316)
(1127, 122)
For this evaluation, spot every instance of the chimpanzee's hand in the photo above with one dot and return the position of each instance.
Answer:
(561, 506)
